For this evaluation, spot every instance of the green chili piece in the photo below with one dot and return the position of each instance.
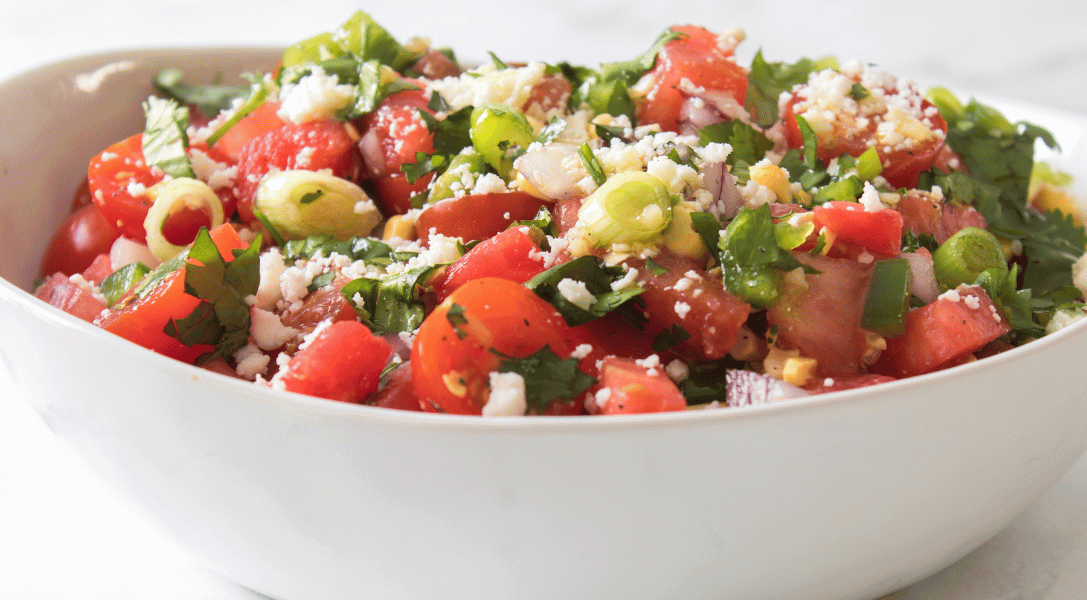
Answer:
(887, 302)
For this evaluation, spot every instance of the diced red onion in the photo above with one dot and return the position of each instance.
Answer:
(126, 251)
(748, 388)
(542, 166)
(727, 200)
(922, 275)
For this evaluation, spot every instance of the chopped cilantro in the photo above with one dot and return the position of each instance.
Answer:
(457, 320)
(592, 165)
(390, 303)
(222, 317)
(766, 82)
(547, 377)
(165, 139)
(670, 337)
(209, 99)
(597, 278)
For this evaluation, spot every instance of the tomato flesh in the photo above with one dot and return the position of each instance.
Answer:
(476, 217)
(310, 146)
(879, 232)
(697, 58)
(343, 362)
(635, 389)
(391, 137)
(511, 255)
(943, 332)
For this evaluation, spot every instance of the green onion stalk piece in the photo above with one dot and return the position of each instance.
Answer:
(468, 161)
(887, 302)
(172, 195)
(302, 203)
(496, 132)
(965, 255)
(631, 207)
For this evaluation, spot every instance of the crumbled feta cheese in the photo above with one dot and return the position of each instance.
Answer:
(627, 281)
(870, 198)
(682, 308)
(507, 396)
(677, 370)
(316, 96)
(268, 332)
(581, 351)
(575, 292)
(251, 361)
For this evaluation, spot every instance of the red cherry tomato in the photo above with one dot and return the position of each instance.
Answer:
(696, 57)
(457, 346)
(114, 177)
(82, 237)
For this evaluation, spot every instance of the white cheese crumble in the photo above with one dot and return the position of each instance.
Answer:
(268, 332)
(316, 96)
(507, 397)
(576, 293)
(682, 308)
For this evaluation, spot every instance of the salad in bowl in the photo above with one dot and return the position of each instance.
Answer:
(363, 225)
(374, 222)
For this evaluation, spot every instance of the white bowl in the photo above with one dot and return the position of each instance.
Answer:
(847, 495)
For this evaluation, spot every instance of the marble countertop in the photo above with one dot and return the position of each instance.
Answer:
(64, 535)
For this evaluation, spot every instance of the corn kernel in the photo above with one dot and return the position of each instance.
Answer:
(774, 177)
(774, 363)
(398, 227)
(1046, 196)
(799, 370)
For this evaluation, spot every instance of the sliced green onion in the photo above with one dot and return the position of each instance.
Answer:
(301, 203)
(887, 302)
(173, 194)
(631, 207)
(965, 255)
(497, 132)
(593, 166)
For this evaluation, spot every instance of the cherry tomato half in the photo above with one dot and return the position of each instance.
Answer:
(460, 343)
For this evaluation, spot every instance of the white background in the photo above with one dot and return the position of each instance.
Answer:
(63, 535)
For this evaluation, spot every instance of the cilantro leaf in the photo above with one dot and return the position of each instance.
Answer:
(209, 99)
(597, 278)
(766, 82)
(165, 139)
(748, 144)
(390, 303)
(999, 157)
(547, 377)
(222, 317)
(670, 337)
(751, 257)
